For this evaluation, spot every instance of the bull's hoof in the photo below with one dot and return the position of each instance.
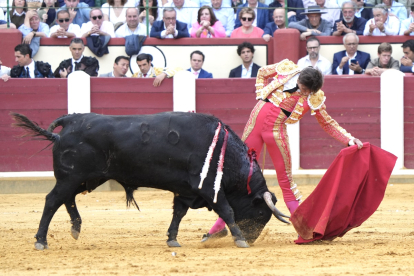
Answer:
(173, 243)
(41, 246)
(241, 244)
(74, 233)
(217, 235)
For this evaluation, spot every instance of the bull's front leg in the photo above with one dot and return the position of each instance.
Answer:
(180, 210)
(224, 210)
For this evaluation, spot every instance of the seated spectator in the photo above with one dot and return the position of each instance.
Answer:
(4, 72)
(47, 13)
(153, 12)
(332, 10)
(407, 61)
(90, 3)
(278, 23)
(363, 10)
(78, 62)
(114, 11)
(314, 59)
(97, 25)
(121, 67)
(247, 30)
(349, 22)
(132, 25)
(314, 25)
(382, 24)
(32, 27)
(169, 26)
(207, 25)
(395, 8)
(384, 61)
(28, 68)
(404, 3)
(224, 14)
(351, 61)
(261, 16)
(147, 71)
(186, 11)
(18, 12)
(248, 69)
(79, 12)
(295, 9)
(34, 5)
(197, 61)
(407, 26)
(64, 29)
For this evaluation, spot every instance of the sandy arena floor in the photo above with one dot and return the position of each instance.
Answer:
(119, 241)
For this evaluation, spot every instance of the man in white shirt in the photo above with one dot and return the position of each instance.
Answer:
(132, 26)
(407, 26)
(248, 69)
(382, 24)
(225, 14)
(186, 11)
(27, 67)
(4, 70)
(314, 59)
(64, 29)
(97, 26)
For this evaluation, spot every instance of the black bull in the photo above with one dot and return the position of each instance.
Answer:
(165, 151)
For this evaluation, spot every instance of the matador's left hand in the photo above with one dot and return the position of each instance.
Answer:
(358, 143)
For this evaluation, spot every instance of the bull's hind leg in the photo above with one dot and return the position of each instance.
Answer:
(60, 194)
(75, 218)
(180, 210)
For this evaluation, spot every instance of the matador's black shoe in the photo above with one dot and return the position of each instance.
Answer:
(217, 235)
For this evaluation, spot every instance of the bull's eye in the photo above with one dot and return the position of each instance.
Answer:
(260, 213)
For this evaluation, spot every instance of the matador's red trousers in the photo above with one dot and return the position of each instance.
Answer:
(267, 125)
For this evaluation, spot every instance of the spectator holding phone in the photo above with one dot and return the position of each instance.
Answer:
(351, 61)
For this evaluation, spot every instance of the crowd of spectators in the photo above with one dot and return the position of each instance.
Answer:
(208, 18)
(175, 19)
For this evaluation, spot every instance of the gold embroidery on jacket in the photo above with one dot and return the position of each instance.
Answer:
(330, 126)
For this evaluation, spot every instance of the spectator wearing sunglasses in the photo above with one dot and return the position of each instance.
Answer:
(65, 29)
(97, 26)
(79, 12)
(247, 30)
(261, 14)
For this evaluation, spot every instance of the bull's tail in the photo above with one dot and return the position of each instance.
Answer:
(33, 129)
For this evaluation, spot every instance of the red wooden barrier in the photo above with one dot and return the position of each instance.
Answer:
(354, 102)
(408, 121)
(40, 100)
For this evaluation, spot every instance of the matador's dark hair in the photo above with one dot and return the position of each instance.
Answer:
(311, 78)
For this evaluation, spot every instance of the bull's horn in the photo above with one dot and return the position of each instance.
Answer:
(268, 199)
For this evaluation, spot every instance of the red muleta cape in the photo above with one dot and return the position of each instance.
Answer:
(347, 195)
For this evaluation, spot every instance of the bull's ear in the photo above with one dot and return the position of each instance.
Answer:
(257, 200)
